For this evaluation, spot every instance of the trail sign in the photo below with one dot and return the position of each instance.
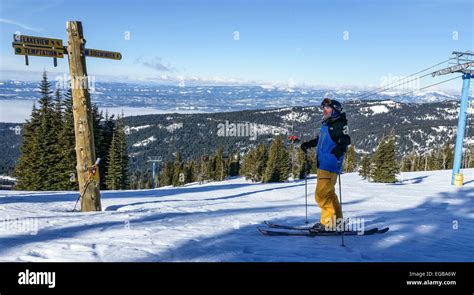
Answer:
(37, 51)
(37, 41)
(38, 46)
(102, 54)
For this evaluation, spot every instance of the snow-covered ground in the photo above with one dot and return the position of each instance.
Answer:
(430, 220)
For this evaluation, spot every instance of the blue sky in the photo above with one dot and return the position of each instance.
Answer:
(300, 42)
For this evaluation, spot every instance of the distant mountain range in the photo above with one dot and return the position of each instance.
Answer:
(214, 98)
(417, 126)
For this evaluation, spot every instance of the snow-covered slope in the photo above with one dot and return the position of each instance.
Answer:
(217, 222)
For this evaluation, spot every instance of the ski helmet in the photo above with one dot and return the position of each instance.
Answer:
(334, 104)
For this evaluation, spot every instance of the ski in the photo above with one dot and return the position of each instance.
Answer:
(282, 226)
(307, 233)
(289, 227)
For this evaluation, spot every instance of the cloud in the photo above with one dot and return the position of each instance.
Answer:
(155, 63)
(23, 26)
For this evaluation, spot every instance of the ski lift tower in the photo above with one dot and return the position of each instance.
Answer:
(463, 64)
(154, 160)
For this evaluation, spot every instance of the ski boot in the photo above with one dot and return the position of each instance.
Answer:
(318, 227)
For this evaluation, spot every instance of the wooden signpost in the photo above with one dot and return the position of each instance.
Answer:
(87, 164)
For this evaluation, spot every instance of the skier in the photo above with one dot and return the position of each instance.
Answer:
(331, 144)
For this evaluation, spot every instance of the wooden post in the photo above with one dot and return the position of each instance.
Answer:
(83, 128)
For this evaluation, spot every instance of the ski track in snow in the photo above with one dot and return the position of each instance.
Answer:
(217, 222)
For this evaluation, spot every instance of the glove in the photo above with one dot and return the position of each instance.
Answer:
(309, 144)
(304, 146)
(338, 152)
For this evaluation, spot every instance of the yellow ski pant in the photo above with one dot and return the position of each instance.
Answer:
(326, 197)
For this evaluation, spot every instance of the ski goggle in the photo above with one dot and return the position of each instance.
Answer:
(326, 103)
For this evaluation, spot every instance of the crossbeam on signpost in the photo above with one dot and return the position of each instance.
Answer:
(50, 47)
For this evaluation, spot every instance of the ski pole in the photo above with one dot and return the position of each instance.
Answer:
(340, 200)
(82, 194)
(89, 180)
(306, 185)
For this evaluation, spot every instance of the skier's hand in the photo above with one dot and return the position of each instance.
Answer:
(304, 146)
(338, 152)
(309, 144)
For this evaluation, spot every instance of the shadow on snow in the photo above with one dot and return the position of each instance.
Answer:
(422, 233)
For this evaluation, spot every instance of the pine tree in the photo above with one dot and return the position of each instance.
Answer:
(248, 169)
(413, 159)
(103, 147)
(116, 177)
(448, 156)
(211, 168)
(167, 176)
(178, 176)
(103, 133)
(220, 169)
(439, 159)
(301, 163)
(189, 172)
(385, 164)
(28, 163)
(391, 159)
(409, 162)
(202, 170)
(350, 162)
(67, 166)
(278, 164)
(254, 163)
(58, 111)
(432, 160)
(365, 167)
(41, 163)
(420, 163)
(47, 137)
(466, 158)
(49, 147)
(65, 142)
(261, 159)
(101, 150)
(471, 157)
(234, 165)
(378, 161)
(195, 170)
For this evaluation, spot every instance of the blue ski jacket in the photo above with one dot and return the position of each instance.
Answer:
(332, 143)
